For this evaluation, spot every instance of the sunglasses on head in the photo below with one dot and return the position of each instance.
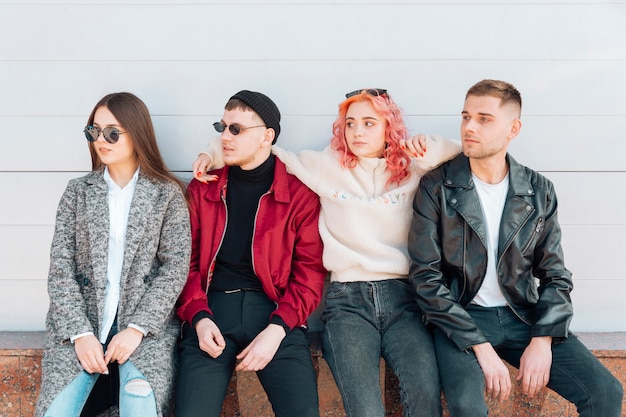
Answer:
(371, 91)
(111, 134)
(234, 129)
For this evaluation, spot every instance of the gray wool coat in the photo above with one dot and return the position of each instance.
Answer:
(154, 271)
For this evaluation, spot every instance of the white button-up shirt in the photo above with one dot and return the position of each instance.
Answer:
(119, 207)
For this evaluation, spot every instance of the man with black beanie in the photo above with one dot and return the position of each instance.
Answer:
(256, 272)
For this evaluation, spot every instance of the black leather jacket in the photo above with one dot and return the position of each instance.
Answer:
(448, 251)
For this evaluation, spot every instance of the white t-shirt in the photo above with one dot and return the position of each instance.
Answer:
(492, 198)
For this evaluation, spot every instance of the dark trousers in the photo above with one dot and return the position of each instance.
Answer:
(106, 392)
(288, 380)
(575, 373)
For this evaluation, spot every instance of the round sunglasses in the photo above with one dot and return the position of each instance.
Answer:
(234, 128)
(111, 134)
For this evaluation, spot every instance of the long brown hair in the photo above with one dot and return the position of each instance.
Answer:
(134, 117)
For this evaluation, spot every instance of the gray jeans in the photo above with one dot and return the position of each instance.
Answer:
(366, 320)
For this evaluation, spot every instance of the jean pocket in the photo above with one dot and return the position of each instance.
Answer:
(402, 283)
(337, 289)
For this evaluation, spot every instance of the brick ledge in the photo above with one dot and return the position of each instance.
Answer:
(20, 356)
(34, 340)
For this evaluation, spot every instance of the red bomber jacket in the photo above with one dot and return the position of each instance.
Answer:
(286, 246)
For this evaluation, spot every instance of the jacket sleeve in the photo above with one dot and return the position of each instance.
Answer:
(214, 151)
(436, 301)
(155, 307)
(68, 310)
(193, 298)
(303, 292)
(554, 310)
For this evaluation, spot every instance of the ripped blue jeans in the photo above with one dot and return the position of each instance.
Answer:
(136, 396)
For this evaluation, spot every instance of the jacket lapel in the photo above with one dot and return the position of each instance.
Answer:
(460, 194)
(141, 206)
(518, 208)
(97, 206)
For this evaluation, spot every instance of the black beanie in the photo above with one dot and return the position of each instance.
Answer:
(264, 107)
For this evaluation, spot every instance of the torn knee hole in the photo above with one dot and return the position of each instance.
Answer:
(139, 387)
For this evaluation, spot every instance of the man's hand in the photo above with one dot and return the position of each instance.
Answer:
(210, 338)
(262, 349)
(535, 363)
(497, 378)
(414, 146)
(122, 345)
(90, 354)
(200, 166)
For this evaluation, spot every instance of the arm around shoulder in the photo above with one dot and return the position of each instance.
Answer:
(208, 160)
(438, 151)
(306, 165)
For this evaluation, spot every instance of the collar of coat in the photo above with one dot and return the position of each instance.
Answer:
(459, 175)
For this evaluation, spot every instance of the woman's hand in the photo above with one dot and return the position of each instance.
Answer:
(123, 345)
(90, 354)
(201, 166)
(414, 146)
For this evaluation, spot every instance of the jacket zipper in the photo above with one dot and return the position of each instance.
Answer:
(210, 271)
(373, 194)
(532, 237)
(538, 228)
(256, 215)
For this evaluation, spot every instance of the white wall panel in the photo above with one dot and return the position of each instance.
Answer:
(598, 306)
(24, 253)
(285, 31)
(590, 200)
(422, 87)
(24, 305)
(31, 198)
(593, 253)
(318, 2)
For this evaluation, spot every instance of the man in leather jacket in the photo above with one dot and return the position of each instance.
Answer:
(487, 267)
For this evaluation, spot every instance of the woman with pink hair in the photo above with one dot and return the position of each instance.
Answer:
(366, 180)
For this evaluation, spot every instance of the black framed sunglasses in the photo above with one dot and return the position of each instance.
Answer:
(371, 91)
(234, 129)
(111, 134)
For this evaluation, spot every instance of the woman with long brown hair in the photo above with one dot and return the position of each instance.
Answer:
(119, 259)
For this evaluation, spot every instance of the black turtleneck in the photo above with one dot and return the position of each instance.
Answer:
(233, 267)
